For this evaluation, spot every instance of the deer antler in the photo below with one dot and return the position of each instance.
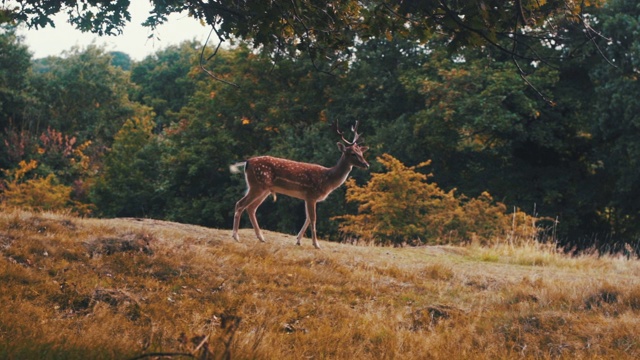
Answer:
(354, 128)
(356, 136)
(334, 126)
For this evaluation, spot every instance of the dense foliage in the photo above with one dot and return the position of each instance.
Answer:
(155, 138)
(326, 31)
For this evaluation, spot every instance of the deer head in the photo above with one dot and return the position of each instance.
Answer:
(351, 151)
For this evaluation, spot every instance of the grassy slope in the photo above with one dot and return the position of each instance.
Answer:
(86, 288)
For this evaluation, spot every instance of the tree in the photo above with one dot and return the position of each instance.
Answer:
(486, 130)
(373, 91)
(398, 206)
(616, 122)
(83, 95)
(15, 67)
(322, 29)
(129, 181)
(152, 75)
(121, 60)
(195, 178)
(15, 98)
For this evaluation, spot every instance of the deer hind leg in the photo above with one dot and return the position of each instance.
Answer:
(242, 205)
(236, 216)
(251, 210)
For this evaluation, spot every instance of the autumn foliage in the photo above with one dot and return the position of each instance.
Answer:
(38, 193)
(55, 178)
(402, 206)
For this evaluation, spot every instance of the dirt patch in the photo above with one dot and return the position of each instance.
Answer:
(119, 301)
(131, 242)
(430, 316)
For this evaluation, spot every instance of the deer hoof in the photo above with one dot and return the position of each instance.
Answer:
(236, 237)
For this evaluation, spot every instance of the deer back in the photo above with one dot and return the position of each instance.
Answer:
(293, 178)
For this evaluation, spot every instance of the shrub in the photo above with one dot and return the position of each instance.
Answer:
(38, 193)
(402, 206)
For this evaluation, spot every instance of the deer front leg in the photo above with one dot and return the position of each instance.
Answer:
(311, 218)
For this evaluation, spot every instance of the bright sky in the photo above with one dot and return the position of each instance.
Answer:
(134, 40)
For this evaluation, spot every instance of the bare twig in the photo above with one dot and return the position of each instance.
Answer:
(524, 75)
(521, 72)
(215, 52)
(452, 15)
(229, 325)
(591, 34)
(520, 12)
(307, 34)
(204, 341)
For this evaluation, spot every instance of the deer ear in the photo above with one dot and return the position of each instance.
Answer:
(341, 147)
(364, 148)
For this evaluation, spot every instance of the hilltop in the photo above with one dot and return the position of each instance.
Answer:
(78, 288)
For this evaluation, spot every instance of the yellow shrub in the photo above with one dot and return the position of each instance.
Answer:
(401, 206)
(38, 194)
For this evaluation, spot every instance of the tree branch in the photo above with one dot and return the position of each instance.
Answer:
(210, 73)
(454, 16)
(591, 34)
(521, 72)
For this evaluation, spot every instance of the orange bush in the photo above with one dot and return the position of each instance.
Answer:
(402, 206)
(38, 193)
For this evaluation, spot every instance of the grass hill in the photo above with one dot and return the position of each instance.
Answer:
(76, 288)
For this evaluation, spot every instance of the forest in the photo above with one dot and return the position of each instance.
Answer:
(462, 139)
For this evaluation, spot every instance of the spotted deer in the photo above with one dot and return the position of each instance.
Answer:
(312, 183)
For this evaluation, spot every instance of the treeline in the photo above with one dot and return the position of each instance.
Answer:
(154, 138)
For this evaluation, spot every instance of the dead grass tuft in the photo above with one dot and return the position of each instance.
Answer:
(605, 295)
(437, 272)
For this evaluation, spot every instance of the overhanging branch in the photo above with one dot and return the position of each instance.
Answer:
(215, 52)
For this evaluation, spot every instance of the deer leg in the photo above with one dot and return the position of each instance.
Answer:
(304, 227)
(241, 205)
(236, 217)
(311, 218)
(251, 210)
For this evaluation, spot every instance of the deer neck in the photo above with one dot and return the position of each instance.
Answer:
(338, 173)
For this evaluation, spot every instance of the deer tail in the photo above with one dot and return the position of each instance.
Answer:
(235, 168)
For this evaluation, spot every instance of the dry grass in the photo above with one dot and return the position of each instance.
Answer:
(85, 288)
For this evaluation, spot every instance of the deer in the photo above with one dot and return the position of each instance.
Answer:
(265, 175)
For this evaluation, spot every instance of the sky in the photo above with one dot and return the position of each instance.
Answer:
(134, 40)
